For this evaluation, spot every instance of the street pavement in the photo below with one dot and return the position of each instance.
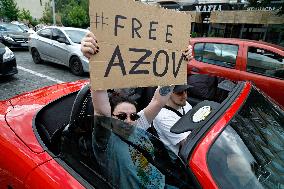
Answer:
(33, 76)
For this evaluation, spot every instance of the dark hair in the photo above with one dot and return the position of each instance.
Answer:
(116, 100)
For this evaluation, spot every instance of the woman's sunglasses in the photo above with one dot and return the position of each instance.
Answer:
(123, 116)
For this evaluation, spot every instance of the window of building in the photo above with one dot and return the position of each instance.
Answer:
(265, 62)
(218, 54)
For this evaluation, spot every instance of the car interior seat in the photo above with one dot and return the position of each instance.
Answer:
(51, 120)
(76, 138)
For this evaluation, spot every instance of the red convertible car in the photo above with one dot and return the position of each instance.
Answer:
(46, 141)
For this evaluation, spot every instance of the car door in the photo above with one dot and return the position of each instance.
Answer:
(59, 49)
(43, 43)
(265, 67)
(218, 59)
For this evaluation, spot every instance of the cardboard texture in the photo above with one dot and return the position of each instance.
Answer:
(140, 45)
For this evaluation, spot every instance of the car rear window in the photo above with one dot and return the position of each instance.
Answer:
(216, 53)
(249, 153)
(264, 62)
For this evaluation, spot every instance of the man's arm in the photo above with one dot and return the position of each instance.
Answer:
(159, 100)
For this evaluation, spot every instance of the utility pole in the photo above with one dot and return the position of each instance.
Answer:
(53, 12)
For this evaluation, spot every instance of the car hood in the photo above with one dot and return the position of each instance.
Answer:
(16, 34)
(23, 108)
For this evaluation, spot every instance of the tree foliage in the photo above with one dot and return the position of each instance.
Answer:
(25, 15)
(9, 10)
(47, 14)
(72, 12)
(75, 15)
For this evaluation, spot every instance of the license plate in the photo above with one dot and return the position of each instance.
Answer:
(24, 44)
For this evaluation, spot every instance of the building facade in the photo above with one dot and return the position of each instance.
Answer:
(36, 7)
(231, 18)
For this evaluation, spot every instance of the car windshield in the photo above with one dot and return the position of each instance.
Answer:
(249, 153)
(75, 35)
(13, 28)
(24, 27)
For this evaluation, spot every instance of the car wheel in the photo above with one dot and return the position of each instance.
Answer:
(36, 56)
(76, 66)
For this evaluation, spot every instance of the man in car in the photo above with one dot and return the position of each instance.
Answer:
(176, 107)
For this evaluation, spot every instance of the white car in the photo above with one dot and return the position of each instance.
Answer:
(60, 45)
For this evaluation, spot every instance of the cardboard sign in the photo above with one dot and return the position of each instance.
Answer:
(140, 45)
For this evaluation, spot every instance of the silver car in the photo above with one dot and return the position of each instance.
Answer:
(60, 45)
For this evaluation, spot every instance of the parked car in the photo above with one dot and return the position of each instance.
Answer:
(39, 26)
(60, 45)
(13, 36)
(24, 27)
(239, 59)
(46, 142)
(8, 64)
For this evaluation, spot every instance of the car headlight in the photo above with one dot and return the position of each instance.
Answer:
(7, 38)
(8, 54)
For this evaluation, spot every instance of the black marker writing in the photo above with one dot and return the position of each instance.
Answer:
(152, 29)
(175, 71)
(120, 63)
(155, 63)
(169, 34)
(136, 28)
(140, 61)
(116, 25)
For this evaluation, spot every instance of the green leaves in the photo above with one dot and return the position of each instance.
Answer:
(75, 15)
(25, 15)
(9, 10)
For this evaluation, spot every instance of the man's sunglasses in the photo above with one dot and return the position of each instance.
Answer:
(123, 116)
(180, 93)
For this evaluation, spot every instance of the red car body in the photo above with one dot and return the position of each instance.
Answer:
(243, 62)
(25, 162)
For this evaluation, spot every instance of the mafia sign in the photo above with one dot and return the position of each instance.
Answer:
(208, 8)
(140, 45)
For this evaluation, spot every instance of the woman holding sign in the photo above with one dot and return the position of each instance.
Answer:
(113, 155)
